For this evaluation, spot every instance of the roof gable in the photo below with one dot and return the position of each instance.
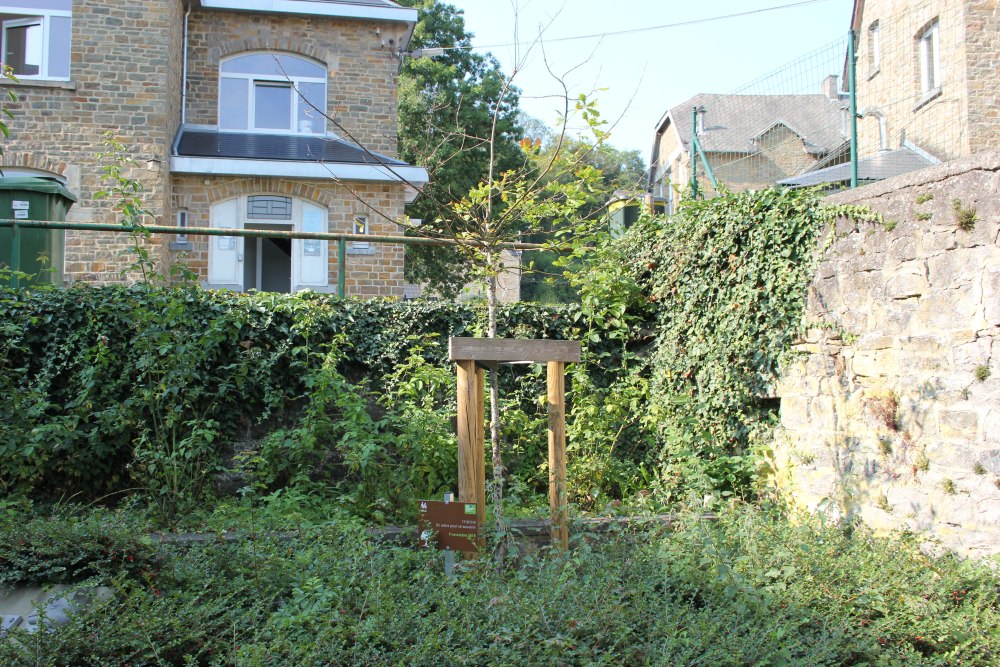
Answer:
(734, 122)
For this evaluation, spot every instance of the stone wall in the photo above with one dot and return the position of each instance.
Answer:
(892, 408)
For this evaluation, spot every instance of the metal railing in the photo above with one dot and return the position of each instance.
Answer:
(340, 238)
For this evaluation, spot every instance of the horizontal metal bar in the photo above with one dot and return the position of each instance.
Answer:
(264, 233)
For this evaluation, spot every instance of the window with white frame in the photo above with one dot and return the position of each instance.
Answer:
(874, 48)
(35, 36)
(272, 93)
(360, 227)
(182, 223)
(928, 47)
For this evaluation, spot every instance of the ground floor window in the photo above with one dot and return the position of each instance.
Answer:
(265, 263)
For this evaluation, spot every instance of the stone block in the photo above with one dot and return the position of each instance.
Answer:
(958, 423)
(893, 317)
(903, 249)
(991, 428)
(873, 363)
(944, 311)
(991, 294)
(959, 268)
(822, 414)
(795, 413)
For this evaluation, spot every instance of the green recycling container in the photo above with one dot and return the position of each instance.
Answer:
(39, 252)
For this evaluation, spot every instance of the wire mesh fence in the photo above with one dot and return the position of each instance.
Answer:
(921, 85)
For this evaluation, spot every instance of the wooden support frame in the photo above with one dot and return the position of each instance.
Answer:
(471, 355)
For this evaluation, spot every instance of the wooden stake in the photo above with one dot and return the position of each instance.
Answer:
(480, 455)
(558, 502)
(469, 429)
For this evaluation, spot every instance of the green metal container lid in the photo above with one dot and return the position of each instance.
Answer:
(41, 184)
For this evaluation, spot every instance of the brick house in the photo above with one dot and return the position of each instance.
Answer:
(750, 141)
(926, 85)
(927, 74)
(216, 100)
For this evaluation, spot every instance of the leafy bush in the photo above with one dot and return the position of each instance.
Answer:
(727, 277)
(118, 386)
(750, 588)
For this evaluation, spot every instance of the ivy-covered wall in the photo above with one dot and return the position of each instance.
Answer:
(90, 376)
(892, 409)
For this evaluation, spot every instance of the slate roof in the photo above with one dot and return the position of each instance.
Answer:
(294, 148)
(732, 122)
(885, 164)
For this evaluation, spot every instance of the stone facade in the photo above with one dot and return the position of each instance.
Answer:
(373, 271)
(892, 409)
(127, 66)
(957, 116)
(361, 90)
(122, 72)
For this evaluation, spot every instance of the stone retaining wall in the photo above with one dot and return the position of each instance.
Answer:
(892, 410)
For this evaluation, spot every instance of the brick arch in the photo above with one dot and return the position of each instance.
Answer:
(268, 42)
(34, 161)
(323, 196)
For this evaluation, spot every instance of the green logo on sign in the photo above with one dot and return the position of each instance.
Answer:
(470, 508)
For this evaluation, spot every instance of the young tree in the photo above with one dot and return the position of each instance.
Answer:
(457, 117)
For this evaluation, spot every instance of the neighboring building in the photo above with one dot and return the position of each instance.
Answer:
(927, 74)
(750, 141)
(217, 100)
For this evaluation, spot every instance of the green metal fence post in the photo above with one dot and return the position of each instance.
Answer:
(341, 268)
(852, 90)
(694, 152)
(15, 256)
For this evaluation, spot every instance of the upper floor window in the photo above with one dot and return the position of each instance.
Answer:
(930, 63)
(264, 92)
(36, 37)
(874, 48)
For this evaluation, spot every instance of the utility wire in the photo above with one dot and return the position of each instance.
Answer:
(633, 31)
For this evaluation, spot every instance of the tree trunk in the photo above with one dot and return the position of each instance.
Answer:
(496, 488)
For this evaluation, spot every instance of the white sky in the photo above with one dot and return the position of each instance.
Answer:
(644, 73)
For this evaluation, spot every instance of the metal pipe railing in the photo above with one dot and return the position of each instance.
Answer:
(17, 224)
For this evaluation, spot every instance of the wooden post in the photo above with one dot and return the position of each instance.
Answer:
(470, 428)
(480, 455)
(558, 502)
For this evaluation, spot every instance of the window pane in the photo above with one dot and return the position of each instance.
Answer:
(24, 49)
(233, 102)
(269, 207)
(272, 106)
(309, 120)
(273, 64)
(59, 43)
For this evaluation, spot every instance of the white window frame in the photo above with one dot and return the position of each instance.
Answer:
(930, 63)
(182, 223)
(33, 16)
(238, 210)
(296, 99)
(874, 48)
(361, 222)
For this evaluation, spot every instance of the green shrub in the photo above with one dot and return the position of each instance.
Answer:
(750, 588)
(728, 279)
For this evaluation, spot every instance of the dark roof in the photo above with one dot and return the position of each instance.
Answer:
(732, 122)
(286, 147)
(884, 165)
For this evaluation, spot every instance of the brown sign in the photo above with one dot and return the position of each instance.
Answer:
(450, 525)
